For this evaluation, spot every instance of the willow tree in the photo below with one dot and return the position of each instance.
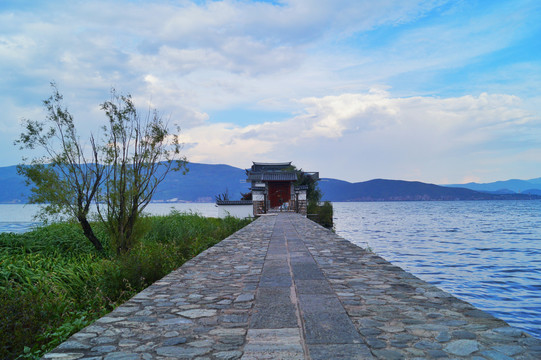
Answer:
(66, 178)
(138, 154)
(120, 174)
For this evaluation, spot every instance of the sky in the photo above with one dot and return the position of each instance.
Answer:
(431, 90)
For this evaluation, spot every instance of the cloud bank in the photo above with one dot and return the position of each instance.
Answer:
(431, 90)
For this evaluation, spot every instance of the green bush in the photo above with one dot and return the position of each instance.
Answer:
(322, 214)
(53, 283)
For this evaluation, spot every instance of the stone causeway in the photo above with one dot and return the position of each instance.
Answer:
(285, 288)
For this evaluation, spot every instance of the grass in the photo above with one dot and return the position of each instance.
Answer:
(53, 283)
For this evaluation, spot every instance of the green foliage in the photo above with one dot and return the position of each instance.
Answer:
(119, 173)
(53, 284)
(322, 214)
(138, 154)
(313, 193)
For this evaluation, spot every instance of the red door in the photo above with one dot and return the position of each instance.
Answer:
(279, 193)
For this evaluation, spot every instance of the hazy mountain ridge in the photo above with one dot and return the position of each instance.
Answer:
(203, 182)
(532, 186)
(399, 190)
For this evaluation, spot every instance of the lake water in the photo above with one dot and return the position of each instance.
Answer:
(20, 218)
(485, 252)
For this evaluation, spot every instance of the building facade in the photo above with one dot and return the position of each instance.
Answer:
(274, 190)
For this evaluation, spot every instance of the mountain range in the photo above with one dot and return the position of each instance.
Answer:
(203, 182)
(513, 186)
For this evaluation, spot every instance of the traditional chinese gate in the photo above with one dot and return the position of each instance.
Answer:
(279, 193)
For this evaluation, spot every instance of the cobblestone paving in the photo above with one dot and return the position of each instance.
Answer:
(285, 288)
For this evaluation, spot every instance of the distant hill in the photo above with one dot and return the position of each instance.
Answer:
(203, 182)
(12, 186)
(398, 190)
(532, 186)
(200, 184)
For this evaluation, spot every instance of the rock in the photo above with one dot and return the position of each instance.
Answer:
(63, 356)
(495, 355)
(462, 334)
(462, 347)
(244, 297)
(121, 356)
(198, 313)
(443, 336)
(388, 354)
(75, 345)
(509, 331)
(175, 341)
(427, 345)
(181, 352)
(228, 355)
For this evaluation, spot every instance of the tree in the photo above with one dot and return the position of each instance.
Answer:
(119, 175)
(138, 155)
(313, 193)
(65, 179)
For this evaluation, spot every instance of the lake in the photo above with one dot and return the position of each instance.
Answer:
(20, 218)
(485, 252)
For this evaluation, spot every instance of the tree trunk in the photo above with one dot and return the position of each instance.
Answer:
(87, 230)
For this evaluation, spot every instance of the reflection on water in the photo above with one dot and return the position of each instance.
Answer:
(485, 252)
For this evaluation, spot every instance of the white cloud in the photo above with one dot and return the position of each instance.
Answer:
(382, 136)
(190, 60)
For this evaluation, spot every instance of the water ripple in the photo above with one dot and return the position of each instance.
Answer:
(485, 252)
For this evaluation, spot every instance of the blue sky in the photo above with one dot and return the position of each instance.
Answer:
(436, 91)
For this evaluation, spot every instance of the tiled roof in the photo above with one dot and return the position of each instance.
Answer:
(234, 202)
(272, 176)
(279, 176)
(272, 164)
(263, 167)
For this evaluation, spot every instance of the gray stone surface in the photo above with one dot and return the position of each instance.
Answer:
(286, 288)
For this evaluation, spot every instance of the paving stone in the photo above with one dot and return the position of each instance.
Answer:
(320, 303)
(443, 336)
(509, 350)
(73, 345)
(179, 320)
(388, 354)
(102, 340)
(509, 331)
(122, 356)
(63, 356)
(179, 352)
(462, 347)
(104, 349)
(495, 355)
(228, 355)
(174, 341)
(345, 352)
(437, 354)
(307, 272)
(196, 313)
(462, 334)
(375, 343)
(329, 328)
(274, 316)
(313, 287)
(244, 297)
(289, 273)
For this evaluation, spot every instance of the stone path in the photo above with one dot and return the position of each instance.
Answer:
(285, 288)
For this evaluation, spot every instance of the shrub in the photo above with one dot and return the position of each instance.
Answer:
(52, 284)
(322, 214)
